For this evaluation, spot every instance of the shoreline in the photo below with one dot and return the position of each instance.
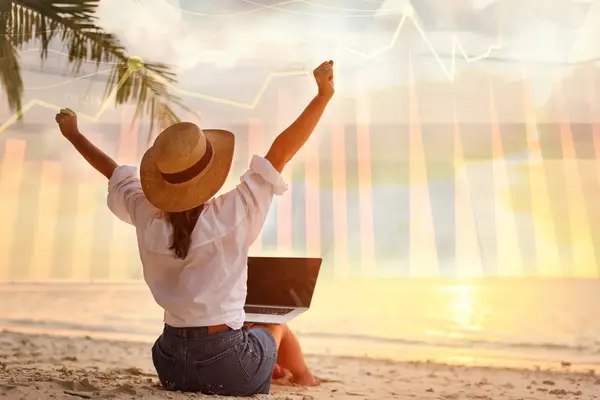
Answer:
(42, 366)
(373, 350)
(346, 348)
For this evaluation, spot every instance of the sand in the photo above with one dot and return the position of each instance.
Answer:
(58, 367)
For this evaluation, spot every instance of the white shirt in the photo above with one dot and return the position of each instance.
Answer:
(209, 286)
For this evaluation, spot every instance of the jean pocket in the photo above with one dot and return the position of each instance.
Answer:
(222, 374)
(164, 365)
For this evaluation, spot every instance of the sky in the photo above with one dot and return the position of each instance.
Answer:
(545, 30)
(448, 43)
(538, 39)
(436, 205)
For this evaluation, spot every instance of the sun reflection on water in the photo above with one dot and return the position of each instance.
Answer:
(463, 310)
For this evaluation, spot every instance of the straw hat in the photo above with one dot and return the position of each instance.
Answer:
(186, 166)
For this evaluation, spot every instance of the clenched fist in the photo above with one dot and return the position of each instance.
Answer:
(67, 122)
(324, 76)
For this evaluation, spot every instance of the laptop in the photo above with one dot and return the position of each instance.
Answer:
(280, 288)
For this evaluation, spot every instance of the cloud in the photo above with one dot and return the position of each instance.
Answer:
(585, 45)
(160, 31)
(155, 31)
(146, 29)
(481, 4)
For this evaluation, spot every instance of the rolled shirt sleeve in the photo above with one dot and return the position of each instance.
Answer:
(258, 186)
(125, 197)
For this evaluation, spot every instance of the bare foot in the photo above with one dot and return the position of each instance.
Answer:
(306, 379)
(278, 372)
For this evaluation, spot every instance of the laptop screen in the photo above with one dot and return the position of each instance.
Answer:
(284, 282)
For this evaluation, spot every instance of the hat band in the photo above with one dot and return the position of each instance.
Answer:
(193, 171)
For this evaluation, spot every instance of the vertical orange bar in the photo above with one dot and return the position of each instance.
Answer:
(313, 201)
(128, 139)
(126, 154)
(508, 256)
(11, 176)
(43, 239)
(596, 130)
(423, 251)
(84, 232)
(595, 110)
(256, 134)
(365, 196)
(120, 253)
(546, 249)
(468, 257)
(87, 206)
(233, 178)
(123, 238)
(340, 207)
(284, 208)
(584, 258)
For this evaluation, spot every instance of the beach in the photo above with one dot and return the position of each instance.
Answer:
(434, 339)
(60, 367)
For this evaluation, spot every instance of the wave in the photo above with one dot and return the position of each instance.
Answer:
(144, 329)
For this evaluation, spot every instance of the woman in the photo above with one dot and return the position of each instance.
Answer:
(194, 249)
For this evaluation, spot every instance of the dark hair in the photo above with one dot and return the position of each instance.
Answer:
(183, 224)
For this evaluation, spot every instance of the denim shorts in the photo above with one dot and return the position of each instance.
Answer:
(227, 363)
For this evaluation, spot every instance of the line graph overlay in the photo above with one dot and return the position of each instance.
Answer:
(457, 47)
(255, 102)
(40, 103)
(450, 73)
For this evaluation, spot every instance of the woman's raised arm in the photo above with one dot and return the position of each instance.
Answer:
(67, 123)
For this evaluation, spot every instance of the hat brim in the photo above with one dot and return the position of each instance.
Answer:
(190, 194)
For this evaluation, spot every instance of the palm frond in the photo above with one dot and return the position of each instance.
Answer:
(10, 72)
(73, 22)
(149, 86)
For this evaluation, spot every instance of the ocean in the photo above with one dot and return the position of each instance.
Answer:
(496, 321)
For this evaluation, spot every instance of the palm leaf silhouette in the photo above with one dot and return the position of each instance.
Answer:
(74, 23)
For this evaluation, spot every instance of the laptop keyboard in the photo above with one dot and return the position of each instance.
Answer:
(267, 310)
